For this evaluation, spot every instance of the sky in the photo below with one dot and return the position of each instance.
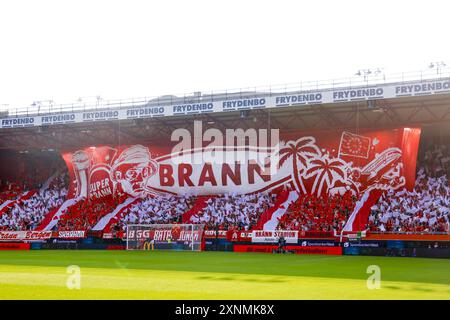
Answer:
(64, 50)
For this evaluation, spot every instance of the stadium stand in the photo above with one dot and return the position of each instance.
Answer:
(29, 210)
(10, 190)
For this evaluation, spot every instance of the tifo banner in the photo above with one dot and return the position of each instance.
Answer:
(328, 162)
(262, 236)
(221, 234)
(71, 234)
(24, 235)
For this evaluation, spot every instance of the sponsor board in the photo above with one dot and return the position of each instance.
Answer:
(307, 243)
(408, 237)
(382, 91)
(14, 246)
(295, 249)
(65, 241)
(263, 236)
(24, 235)
(221, 234)
(71, 234)
(352, 236)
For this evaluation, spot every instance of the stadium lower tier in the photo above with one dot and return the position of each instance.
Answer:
(47, 206)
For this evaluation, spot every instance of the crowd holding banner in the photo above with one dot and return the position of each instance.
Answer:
(24, 235)
(326, 163)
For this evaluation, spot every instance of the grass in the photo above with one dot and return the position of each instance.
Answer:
(43, 274)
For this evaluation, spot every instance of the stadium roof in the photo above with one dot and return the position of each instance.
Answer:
(407, 99)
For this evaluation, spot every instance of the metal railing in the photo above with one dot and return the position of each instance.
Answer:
(249, 92)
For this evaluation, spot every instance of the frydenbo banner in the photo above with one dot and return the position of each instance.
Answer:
(326, 162)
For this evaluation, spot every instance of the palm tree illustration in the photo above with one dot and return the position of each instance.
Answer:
(327, 171)
(300, 152)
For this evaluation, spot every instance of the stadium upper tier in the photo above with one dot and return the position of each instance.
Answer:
(368, 87)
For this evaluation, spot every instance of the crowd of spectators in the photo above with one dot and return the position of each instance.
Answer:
(11, 190)
(85, 214)
(312, 213)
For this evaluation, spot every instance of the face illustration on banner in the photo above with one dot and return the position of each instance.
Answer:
(132, 169)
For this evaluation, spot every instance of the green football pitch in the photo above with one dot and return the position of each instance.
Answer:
(215, 275)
